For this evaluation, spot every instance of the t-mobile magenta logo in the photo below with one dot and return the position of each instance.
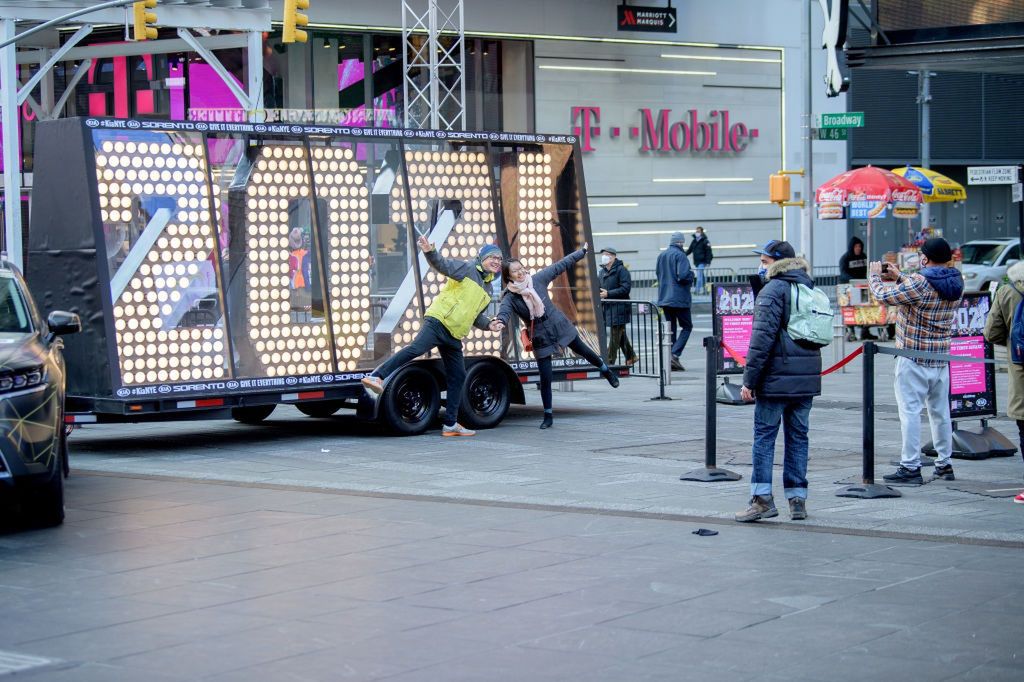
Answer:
(714, 132)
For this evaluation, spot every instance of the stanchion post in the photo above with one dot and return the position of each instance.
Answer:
(710, 473)
(868, 489)
(664, 364)
(666, 349)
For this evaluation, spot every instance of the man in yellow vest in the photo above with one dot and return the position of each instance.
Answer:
(456, 309)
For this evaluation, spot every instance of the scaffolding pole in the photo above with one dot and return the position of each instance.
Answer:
(434, 84)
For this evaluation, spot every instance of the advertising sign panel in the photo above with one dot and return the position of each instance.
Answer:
(733, 322)
(972, 385)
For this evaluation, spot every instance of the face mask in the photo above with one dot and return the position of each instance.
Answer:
(606, 259)
(762, 272)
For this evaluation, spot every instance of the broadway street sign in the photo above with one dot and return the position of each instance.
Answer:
(848, 119)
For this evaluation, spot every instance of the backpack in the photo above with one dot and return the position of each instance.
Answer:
(1017, 331)
(810, 316)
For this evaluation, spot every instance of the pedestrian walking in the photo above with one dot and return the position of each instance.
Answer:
(854, 263)
(927, 302)
(675, 277)
(782, 377)
(549, 330)
(616, 284)
(999, 330)
(448, 320)
(700, 249)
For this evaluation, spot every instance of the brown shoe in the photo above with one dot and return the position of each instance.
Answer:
(761, 507)
(797, 508)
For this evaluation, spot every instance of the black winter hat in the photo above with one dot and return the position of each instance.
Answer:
(938, 251)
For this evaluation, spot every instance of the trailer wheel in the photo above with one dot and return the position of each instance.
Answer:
(485, 396)
(320, 409)
(253, 414)
(410, 402)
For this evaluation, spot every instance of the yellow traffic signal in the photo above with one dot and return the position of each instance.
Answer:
(144, 29)
(293, 18)
(778, 189)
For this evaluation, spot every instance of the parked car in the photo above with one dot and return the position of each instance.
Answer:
(986, 260)
(33, 441)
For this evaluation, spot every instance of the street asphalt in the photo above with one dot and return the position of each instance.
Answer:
(322, 549)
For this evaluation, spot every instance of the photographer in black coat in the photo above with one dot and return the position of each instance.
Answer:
(782, 376)
(616, 284)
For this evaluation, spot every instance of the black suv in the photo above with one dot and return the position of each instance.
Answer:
(33, 441)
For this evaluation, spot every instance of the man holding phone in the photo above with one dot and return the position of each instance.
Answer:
(927, 302)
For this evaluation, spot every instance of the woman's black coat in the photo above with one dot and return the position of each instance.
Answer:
(553, 330)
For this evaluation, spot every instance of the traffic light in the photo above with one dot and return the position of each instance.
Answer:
(293, 18)
(144, 20)
(778, 189)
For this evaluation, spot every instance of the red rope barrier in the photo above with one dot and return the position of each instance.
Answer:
(740, 360)
(845, 361)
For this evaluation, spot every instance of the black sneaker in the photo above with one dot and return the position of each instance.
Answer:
(905, 476)
(676, 365)
(609, 374)
(943, 472)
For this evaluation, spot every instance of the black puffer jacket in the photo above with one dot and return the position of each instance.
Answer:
(700, 249)
(777, 366)
(617, 282)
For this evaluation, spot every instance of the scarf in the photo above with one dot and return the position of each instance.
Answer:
(529, 294)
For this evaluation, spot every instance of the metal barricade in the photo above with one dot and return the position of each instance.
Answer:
(645, 335)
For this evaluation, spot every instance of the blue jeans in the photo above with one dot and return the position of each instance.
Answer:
(700, 277)
(769, 414)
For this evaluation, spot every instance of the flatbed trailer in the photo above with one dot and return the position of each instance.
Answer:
(222, 269)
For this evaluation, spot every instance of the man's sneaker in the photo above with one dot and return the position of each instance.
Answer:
(457, 430)
(761, 507)
(943, 472)
(1019, 499)
(677, 366)
(905, 476)
(373, 384)
(797, 508)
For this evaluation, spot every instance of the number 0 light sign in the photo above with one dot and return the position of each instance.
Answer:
(220, 257)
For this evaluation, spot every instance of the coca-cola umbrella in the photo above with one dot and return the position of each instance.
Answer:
(867, 193)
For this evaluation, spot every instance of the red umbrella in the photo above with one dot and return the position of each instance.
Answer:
(867, 192)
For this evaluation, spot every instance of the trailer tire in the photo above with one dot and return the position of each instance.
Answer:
(485, 396)
(252, 414)
(411, 401)
(320, 409)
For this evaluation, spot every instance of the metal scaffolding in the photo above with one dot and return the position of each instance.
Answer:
(246, 19)
(433, 64)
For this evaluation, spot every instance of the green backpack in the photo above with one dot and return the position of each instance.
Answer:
(810, 316)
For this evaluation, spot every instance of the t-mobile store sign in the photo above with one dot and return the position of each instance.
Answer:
(664, 132)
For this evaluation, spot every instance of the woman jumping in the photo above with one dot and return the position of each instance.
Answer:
(549, 329)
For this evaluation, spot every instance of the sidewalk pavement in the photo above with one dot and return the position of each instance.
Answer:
(613, 451)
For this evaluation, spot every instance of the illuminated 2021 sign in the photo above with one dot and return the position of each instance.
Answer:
(251, 256)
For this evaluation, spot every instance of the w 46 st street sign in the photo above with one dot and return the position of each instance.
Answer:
(833, 134)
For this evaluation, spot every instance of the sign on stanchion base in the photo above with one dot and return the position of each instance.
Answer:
(710, 473)
(729, 394)
(868, 491)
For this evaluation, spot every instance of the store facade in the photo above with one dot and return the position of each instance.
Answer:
(677, 129)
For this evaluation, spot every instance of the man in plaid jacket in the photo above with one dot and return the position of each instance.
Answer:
(927, 302)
